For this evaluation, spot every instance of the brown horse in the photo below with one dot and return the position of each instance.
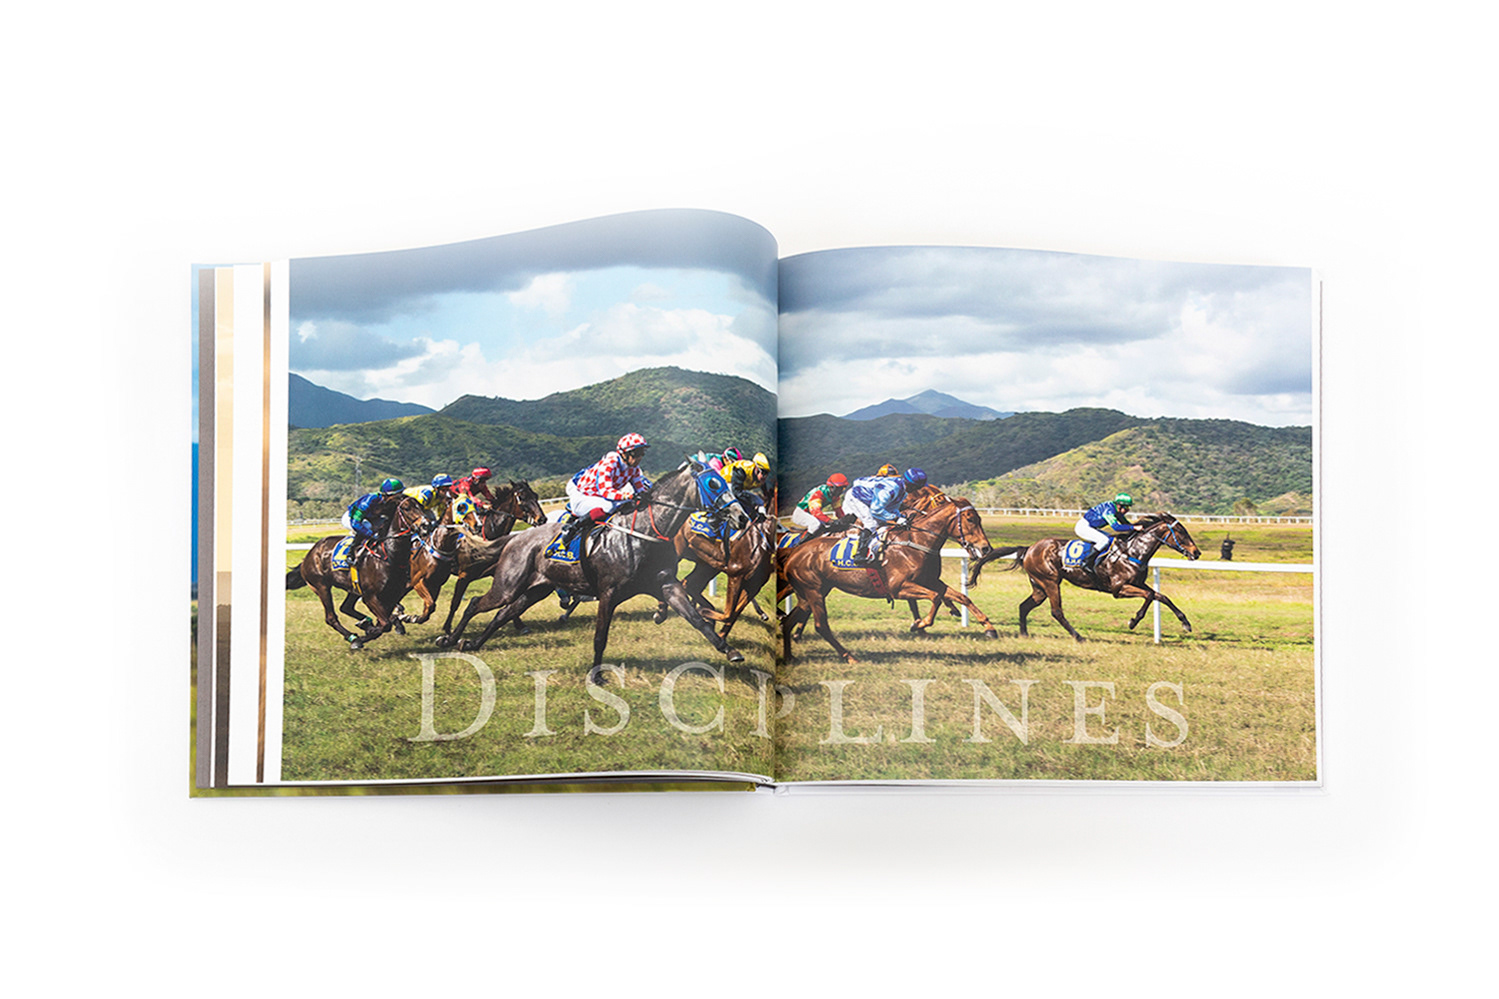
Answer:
(749, 565)
(382, 572)
(1120, 570)
(628, 554)
(516, 501)
(911, 570)
(433, 560)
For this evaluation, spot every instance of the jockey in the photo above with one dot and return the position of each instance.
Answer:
(747, 472)
(921, 496)
(601, 488)
(476, 486)
(369, 515)
(820, 505)
(888, 471)
(1108, 516)
(433, 499)
(875, 501)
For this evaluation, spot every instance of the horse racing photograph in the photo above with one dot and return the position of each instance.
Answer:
(1001, 467)
(631, 497)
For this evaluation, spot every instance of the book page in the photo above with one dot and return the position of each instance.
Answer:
(432, 407)
(1108, 574)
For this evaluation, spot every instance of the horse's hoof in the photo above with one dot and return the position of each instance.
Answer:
(443, 641)
(848, 657)
(658, 617)
(735, 656)
(521, 629)
(991, 633)
(355, 645)
(596, 677)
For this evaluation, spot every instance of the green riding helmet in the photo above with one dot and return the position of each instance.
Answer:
(391, 486)
(1123, 499)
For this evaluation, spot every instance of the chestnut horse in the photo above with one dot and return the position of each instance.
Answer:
(433, 560)
(750, 563)
(911, 570)
(1120, 571)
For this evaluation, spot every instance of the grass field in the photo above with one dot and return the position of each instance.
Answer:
(1245, 675)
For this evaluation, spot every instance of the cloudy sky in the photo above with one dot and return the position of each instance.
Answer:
(526, 315)
(1022, 330)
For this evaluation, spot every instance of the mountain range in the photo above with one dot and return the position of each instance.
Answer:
(312, 405)
(1064, 459)
(932, 403)
(539, 440)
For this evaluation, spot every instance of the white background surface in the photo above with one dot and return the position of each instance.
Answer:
(145, 138)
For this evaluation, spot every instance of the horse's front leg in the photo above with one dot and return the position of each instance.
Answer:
(676, 595)
(948, 596)
(1150, 595)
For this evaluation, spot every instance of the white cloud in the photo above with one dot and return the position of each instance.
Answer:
(552, 293)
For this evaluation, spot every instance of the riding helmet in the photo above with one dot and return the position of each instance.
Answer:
(391, 486)
(915, 477)
(838, 481)
(630, 442)
(1123, 499)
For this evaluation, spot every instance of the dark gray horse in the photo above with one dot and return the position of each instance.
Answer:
(634, 556)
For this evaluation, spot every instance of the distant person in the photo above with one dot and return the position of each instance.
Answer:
(475, 485)
(1111, 516)
(368, 517)
(1226, 551)
(820, 506)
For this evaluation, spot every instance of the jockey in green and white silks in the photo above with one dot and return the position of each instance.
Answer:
(1104, 522)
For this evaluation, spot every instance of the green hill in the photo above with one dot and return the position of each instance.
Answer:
(543, 441)
(1196, 466)
(710, 411)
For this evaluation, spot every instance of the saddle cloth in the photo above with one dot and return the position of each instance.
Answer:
(343, 554)
(568, 554)
(699, 523)
(1074, 553)
(842, 553)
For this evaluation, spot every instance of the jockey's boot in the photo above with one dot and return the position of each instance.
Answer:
(861, 551)
(570, 530)
(1091, 562)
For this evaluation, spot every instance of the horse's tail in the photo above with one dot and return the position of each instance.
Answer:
(1004, 553)
(294, 580)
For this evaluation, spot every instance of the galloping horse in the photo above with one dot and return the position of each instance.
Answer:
(634, 555)
(433, 560)
(1120, 571)
(911, 571)
(750, 562)
(516, 501)
(383, 573)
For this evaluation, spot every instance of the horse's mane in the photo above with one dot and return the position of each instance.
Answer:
(1151, 519)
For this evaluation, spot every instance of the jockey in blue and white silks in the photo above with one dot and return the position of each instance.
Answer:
(875, 501)
(1103, 522)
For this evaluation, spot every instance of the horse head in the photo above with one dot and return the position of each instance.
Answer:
(1164, 529)
(704, 489)
(526, 505)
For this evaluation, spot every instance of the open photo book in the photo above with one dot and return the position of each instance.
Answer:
(634, 502)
